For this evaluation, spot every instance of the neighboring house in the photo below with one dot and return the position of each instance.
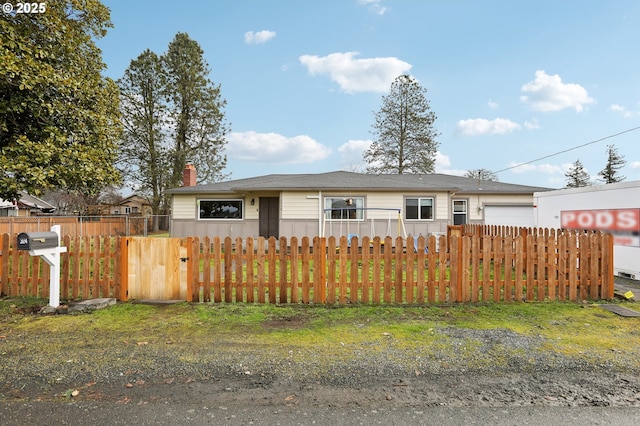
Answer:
(131, 205)
(341, 203)
(613, 208)
(26, 206)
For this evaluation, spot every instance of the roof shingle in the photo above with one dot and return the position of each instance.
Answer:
(342, 180)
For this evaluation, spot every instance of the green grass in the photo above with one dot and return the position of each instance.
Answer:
(568, 328)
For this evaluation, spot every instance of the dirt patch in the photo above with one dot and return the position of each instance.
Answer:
(290, 323)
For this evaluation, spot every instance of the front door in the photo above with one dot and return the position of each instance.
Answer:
(269, 217)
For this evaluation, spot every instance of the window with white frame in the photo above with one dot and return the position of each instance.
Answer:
(344, 208)
(418, 208)
(459, 212)
(220, 209)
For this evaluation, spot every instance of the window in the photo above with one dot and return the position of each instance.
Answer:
(418, 208)
(459, 212)
(344, 208)
(220, 209)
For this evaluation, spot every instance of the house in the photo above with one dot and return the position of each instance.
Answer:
(26, 206)
(342, 203)
(613, 208)
(131, 205)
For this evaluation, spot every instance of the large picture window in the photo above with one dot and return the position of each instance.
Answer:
(344, 208)
(418, 208)
(220, 209)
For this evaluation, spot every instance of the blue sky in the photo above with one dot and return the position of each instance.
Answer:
(510, 81)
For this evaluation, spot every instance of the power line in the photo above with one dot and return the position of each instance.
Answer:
(570, 149)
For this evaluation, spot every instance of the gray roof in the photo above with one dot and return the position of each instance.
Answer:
(29, 201)
(341, 180)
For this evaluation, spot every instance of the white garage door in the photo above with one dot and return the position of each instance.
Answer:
(509, 215)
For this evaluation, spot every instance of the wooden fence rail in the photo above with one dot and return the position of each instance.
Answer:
(455, 269)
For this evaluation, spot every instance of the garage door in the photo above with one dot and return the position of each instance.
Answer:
(509, 215)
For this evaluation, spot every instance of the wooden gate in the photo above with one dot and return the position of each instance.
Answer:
(156, 269)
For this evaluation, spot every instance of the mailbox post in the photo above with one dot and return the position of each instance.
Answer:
(46, 245)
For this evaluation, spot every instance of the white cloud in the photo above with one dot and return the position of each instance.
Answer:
(492, 105)
(275, 148)
(442, 160)
(554, 171)
(443, 164)
(532, 125)
(635, 164)
(548, 93)
(622, 110)
(548, 169)
(482, 126)
(374, 6)
(259, 37)
(356, 75)
(351, 154)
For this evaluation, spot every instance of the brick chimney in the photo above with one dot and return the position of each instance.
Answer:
(189, 175)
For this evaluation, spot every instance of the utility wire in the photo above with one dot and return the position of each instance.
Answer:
(570, 149)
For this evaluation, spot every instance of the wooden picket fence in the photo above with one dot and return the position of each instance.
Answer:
(89, 269)
(564, 266)
(551, 266)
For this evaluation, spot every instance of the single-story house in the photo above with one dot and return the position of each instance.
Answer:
(342, 203)
(26, 206)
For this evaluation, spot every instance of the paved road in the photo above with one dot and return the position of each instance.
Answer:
(110, 413)
(622, 285)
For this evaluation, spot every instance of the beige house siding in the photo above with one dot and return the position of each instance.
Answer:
(522, 199)
(251, 211)
(299, 205)
(383, 200)
(184, 207)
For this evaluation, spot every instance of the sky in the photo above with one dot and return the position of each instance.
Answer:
(513, 83)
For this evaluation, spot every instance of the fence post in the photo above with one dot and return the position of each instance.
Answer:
(454, 275)
(121, 285)
(608, 282)
(319, 262)
(4, 264)
(189, 272)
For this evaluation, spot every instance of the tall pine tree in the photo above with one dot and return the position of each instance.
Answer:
(173, 115)
(405, 138)
(145, 143)
(577, 176)
(196, 111)
(611, 171)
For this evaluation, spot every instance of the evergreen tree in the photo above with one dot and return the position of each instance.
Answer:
(404, 136)
(196, 111)
(173, 115)
(144, 147)
(611, 171)
(577, 176)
